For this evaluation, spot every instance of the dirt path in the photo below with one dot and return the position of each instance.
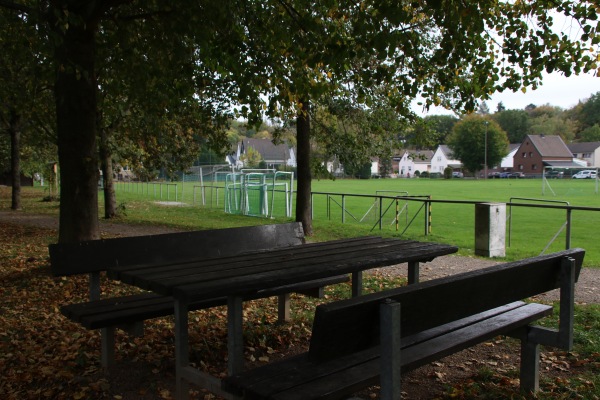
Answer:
(587, 292)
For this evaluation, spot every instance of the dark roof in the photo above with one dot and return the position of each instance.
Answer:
(583, 147)
(562, 164)
(550, 145)
(268, 150)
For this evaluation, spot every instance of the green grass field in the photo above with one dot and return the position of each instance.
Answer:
(532, 230)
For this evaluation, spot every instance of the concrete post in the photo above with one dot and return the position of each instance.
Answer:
(490, 229)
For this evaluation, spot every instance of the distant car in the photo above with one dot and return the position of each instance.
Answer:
(457, 174)
(494, 175)
(504, 175)
(552, 174)
(585, 174)
(516, 175)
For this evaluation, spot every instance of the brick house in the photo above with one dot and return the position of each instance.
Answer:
(538, 151)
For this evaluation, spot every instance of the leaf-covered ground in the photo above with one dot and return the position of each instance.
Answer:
(44, 355)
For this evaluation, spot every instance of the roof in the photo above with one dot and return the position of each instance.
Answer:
(550, 145)
(268, 150)
(420, 156)
(562, 164)
(583, 147)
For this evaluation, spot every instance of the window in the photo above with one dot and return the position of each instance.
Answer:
(521, 167)
(530, 154)
(439, 158)
(534, 166)
(524, 155)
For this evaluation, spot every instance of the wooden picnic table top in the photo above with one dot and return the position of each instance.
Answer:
(250, 273)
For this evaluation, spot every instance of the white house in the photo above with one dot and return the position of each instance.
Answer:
(508, 161)
(413, 161)
(442, 158)
(586, 151)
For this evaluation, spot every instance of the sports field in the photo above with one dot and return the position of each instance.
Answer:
(530, 231)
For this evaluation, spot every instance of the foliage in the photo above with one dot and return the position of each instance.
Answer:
(591, 134)
(476, 139)
(516, 124)
(447, 173)
(353, 134)
(442, 125)
(252, 158)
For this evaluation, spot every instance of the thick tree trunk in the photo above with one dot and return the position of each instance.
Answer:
(15, 159)
(303, 194)
(75, 93)
(110, 198)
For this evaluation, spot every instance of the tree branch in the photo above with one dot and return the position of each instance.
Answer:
(11, 5)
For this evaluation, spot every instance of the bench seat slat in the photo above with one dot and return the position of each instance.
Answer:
(300, 379)
(122, 310)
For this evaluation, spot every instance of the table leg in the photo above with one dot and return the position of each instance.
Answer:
(357, 283)
(413, 272)
(235, 336)
(182, 354)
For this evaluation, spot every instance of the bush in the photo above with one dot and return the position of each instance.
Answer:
(447, 173)
(424, 174)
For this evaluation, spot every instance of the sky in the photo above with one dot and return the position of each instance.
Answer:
(556, 90)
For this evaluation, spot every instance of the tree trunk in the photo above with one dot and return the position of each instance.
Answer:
(303, 194)
(75, 95)
(15, 158)
(110, 198)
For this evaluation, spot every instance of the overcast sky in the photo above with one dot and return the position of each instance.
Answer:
(556, 90)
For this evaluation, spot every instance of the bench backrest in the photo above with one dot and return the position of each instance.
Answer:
(347, 326)
(97, 255)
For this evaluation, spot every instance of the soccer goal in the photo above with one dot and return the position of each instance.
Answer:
(570, 180)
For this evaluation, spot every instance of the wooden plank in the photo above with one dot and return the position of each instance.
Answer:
(336, 332)
(196, 262)
(299, 378)
(282, 273)
(98, 255)
(182, 271)
(300, 366)
(121, 310)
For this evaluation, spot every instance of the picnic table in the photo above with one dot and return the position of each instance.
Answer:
(247, 275)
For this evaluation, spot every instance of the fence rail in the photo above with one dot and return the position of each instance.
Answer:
(427, 204)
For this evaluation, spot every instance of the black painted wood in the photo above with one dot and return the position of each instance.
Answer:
(436, 302)
(118, 311)
(98, 255)
(439, 317)
(172, 251)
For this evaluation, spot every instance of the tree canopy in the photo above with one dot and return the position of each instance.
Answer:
(478, 141)
(276, 57)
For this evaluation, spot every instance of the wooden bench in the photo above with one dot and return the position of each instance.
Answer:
(418, 324)
(129, 312)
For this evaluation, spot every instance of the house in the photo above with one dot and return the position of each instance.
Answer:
(412, 161)
(586, 151)
(539, 151)
(507, 162)
(442, 158)
(274, 155)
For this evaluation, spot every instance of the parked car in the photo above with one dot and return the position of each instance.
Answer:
(504, 175)
(457, 174)
(585, 174)
(516, 175)
(553, 174)
(494, 175)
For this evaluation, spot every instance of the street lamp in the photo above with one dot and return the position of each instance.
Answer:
(485, 152)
